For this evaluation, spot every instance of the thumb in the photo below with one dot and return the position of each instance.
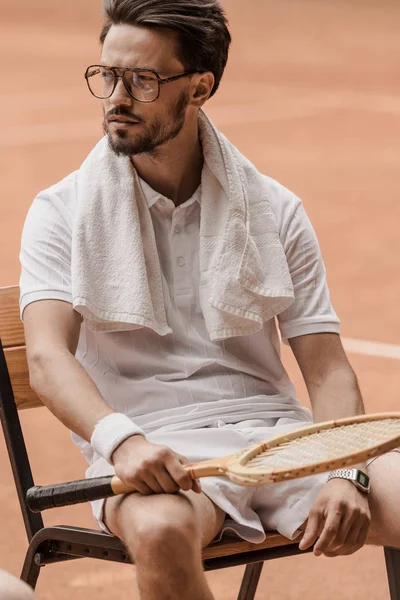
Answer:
(196, 486)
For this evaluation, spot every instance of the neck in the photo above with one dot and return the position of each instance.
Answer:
(174, 169)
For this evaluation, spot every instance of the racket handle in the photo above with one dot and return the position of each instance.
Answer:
(40, 498)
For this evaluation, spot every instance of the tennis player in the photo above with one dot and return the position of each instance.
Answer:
(12, 588)
(154, 280)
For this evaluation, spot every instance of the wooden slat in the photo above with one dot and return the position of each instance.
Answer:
(227, 547)
(11, 327)
(17, 365)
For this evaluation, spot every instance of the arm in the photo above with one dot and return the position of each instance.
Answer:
(331, 382)
(339, 519)
(52, 331)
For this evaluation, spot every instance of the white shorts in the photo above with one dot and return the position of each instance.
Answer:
(251, 511)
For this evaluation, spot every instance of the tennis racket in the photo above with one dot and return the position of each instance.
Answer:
(301, 452)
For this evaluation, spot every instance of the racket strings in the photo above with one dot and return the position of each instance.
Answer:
(327, 445)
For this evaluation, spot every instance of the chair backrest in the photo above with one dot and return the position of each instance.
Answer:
(16, 394)
(13, 341)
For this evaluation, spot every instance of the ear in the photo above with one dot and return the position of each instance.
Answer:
(203, 88)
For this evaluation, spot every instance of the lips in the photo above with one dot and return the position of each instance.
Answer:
(122, 120)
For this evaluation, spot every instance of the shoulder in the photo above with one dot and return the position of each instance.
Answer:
(285, 205)
(52, 211)
(66, 185)
(60, 200)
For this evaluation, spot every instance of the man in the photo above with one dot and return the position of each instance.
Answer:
(12, 588)
(150, 282)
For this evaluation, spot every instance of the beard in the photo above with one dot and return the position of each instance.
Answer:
(160, 131)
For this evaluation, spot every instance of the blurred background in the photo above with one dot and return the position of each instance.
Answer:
(312, 96)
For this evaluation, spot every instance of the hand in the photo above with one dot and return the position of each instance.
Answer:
(151, 468)
(339, 520)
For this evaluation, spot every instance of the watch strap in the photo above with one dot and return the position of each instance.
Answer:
(356, 476)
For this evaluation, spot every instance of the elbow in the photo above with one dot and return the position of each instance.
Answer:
(37, 364)
(42, 364)
(342, 373)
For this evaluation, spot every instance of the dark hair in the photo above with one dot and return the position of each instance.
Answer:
(201, 27)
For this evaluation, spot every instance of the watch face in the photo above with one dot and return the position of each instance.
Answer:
(362, 479)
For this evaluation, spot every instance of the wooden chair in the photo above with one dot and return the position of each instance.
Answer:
(56, 544)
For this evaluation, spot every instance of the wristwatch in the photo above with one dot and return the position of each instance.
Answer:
(359, 478)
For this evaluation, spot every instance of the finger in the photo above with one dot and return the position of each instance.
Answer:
(351, 546)
(329, 532)
(312, 530)
(356, 538)
(196, 485)
(363, 534)
(150, 479)
(142, 488)
(354, 531)
(179, 474)
(341, 539)
(167, 483)
(183, 460)
(343, 545)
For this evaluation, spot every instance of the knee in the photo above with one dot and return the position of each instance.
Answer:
(162, 531)
(12, 588)
(164, 534)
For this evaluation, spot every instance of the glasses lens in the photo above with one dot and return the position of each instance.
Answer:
(143, 85)
(100, 81)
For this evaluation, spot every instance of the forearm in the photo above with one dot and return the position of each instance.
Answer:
(331, 382)
(69, 393)
(336, 395)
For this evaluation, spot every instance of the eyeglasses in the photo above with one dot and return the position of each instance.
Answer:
(142, 85)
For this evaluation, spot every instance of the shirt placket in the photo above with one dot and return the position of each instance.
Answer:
(180, 258)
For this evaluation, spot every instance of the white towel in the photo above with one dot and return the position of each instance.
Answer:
(116, 275)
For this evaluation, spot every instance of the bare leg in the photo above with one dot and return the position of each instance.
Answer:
(12, 588)
(384, 500)
(165, 534)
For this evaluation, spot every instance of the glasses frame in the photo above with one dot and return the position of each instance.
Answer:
(161, 80)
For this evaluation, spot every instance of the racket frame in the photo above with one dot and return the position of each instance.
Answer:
(238, 472)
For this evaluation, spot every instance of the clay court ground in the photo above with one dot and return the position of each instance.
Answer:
(312, 97)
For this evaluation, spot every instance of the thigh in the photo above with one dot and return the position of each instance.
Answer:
(125, 514)
(384, 472)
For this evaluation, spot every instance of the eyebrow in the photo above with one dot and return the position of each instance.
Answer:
(144, 68)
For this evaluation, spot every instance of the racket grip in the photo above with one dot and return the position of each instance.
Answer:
(40, 498)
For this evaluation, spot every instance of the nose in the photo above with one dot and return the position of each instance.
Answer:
(120, 95)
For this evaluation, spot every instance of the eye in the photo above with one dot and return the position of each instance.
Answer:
(107, 75)
(144, 81)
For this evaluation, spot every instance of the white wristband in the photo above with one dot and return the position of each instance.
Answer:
(110, 432)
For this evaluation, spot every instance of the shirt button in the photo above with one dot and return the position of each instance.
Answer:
(177, 229)
(180, 261)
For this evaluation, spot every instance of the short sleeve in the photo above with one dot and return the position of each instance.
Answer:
(311, 311)
(45, 254)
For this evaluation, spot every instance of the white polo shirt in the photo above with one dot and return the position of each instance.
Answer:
(182, 380)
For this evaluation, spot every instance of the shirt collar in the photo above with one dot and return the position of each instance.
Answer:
(152, 196)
